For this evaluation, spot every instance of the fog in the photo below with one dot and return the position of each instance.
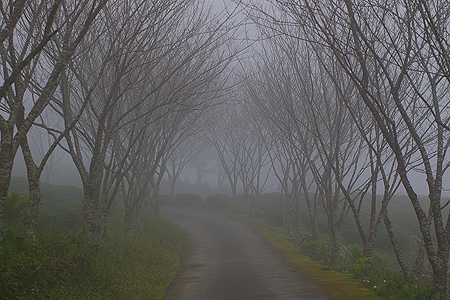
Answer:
(318, 102)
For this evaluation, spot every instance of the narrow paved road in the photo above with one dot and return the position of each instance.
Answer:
(230, 260)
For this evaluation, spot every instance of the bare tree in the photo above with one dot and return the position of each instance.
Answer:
(27, 28)
(156, 61)
(254, 161)
(385, 44)
(435, 18)
(128, 55)
(291, 147)
(190, 146)
(221, 130)
(202, 162)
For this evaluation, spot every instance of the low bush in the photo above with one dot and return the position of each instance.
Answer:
(386, 283)
(316, 249)
(165, 200)
(60, 208)
(269, 204)
(218, 201)
(189, 199)
(239, 205)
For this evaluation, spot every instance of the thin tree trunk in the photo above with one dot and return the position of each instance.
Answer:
(154, 205)
(397, 252)
(139, 214)
(33, 175)
(90, 213)
(128, 217)
(312, 215)
(103, 217)
(6, 164)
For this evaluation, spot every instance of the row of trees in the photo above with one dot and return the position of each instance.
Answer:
(348, 102)
(340, 100)
(119, 85)
(30, 74)
(355, 95)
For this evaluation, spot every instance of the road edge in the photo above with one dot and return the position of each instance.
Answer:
(337, 285)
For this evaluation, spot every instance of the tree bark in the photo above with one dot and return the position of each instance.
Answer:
(33, 175)
(7, 154)
(397, 252)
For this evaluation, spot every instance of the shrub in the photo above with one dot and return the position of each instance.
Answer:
(316, 249)
(218, 201)
(270, 207)
(189, 199)
(384, 282)
(239, 205)
(60, 208)
(15, 204)
(165, 200)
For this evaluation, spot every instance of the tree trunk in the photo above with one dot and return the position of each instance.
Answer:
(397, 252)
(139, 214)
(440, 278)
(312, 215)
(331, 208)
(128, 217)
(5, 179)
(374, 221)
(233, 189)
(103, 217)
(154, 204)
(90, 226)
(172, 189)
(33, 175)
(335, 250)
(7, 155)
(418, 263)
(298, 211)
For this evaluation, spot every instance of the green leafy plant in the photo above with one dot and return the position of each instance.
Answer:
(316, 249)
(15, 204)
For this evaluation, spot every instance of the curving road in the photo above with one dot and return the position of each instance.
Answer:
(230, 260)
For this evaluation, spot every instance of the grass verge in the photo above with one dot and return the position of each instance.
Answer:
(62, 265)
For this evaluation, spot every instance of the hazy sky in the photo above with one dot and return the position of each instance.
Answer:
(65, 172)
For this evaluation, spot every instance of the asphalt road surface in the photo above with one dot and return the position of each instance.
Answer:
(230, 260)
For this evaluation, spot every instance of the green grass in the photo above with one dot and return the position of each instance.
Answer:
(56, 262)
(62, 265)
(145, 263)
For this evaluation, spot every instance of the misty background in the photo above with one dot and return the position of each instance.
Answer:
(316, 114)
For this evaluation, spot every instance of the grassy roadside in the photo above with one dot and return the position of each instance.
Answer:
(54, 261)
(337, 285)
(62, 265)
